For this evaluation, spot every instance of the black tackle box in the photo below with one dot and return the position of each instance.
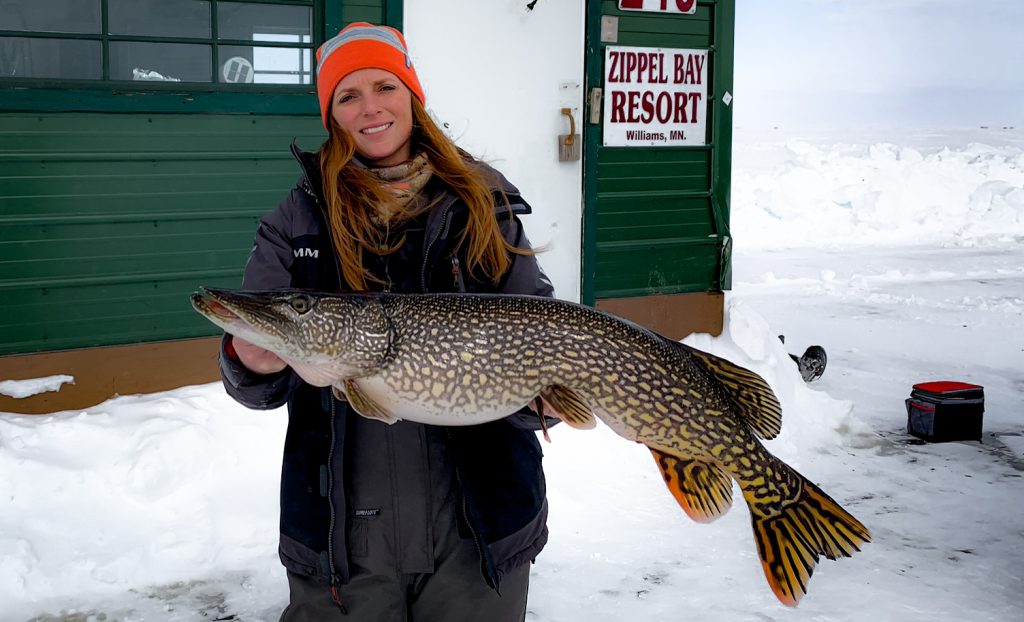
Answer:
(946, 411)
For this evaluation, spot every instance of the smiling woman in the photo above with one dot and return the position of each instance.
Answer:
(375, 108)
(410, 517)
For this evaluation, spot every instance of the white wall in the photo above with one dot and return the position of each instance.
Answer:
(492, 71)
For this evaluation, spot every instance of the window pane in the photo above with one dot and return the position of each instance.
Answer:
(168, 62)
(51, 15)
(246, 21)
(159, 18)
(264, 65)
(22, 57)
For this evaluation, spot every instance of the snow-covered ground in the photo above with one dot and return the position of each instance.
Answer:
(900, 253)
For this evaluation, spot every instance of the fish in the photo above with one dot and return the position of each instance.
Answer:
(466, 359)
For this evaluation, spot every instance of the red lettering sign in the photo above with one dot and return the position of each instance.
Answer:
(655, 97)
(688, 7)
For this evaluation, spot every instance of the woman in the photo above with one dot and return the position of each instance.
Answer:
(402, 522)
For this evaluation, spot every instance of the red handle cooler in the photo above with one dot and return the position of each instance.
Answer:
(946, 411)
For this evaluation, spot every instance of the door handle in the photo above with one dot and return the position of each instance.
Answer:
(570, 146)
(572, 126)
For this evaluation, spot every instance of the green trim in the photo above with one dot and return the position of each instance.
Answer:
(591, 144)
(153, 39)
(721, 136)
(332, 19)
(105, 23)
(391, 13)
(394, 14)
(214, 33)
(174, 99)
(293, 2)
(637, 292)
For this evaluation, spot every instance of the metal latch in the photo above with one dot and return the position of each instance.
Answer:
(595, 106)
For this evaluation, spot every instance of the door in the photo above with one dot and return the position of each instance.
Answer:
(657, 150)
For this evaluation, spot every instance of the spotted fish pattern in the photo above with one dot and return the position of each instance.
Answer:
(464, 359)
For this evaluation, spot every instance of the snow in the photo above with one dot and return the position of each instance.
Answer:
(19, 389)
(882, 193)
(900, 254)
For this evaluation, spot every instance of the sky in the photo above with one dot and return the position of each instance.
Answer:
(882, 63)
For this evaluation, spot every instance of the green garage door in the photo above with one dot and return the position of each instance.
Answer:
(140, 142)
(109, 221)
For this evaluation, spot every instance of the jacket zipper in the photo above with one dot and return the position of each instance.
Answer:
(469, 523)
(442, 233)
(472, 530)
(335, 580)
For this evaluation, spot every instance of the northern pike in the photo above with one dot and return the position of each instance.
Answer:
(465, 359)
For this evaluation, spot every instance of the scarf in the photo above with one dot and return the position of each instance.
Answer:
(405, 181)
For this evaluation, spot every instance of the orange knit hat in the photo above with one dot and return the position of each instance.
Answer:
(361, 45)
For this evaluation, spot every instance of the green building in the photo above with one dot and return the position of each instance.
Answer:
(141, 140)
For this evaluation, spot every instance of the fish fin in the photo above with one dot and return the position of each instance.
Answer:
(364, 405)
(569, 406)
(701, 487)
(749, 393)
(790, 543)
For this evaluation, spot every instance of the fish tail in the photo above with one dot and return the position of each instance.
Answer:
(791, 542)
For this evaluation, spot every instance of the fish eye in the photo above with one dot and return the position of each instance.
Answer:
(301, 304)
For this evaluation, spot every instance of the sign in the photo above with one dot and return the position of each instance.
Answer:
(688, 7)
(237, 69)
(655, 97)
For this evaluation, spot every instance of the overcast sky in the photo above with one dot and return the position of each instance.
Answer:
(880, 62)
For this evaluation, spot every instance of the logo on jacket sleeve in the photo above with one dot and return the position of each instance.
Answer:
(306, 252)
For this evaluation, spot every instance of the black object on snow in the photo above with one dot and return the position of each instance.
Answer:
(946, 411)
(812, 363)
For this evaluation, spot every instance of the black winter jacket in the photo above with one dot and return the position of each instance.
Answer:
(498, 464)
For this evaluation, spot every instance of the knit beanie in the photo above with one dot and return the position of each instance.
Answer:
(361, 45)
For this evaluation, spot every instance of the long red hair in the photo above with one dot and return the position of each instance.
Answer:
(354, 195)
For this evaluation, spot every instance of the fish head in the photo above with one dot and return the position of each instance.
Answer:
(325, 338)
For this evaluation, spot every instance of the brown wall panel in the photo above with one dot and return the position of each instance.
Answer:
(102, 373)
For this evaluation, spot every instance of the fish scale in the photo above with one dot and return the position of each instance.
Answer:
(465, 359)
(536, 354)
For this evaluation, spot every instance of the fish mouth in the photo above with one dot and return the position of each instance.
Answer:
(246, 314)
(211, 307)
(208, 302)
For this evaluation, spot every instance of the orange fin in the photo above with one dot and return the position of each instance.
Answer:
(702, 488)
(790, 543)
(569, 406)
